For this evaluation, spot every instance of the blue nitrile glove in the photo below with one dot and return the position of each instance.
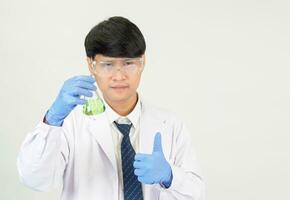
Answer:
(153, 168)
(69, 97)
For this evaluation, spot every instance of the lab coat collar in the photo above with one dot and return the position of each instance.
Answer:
(133, 116)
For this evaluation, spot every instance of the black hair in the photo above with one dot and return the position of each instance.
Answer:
(115, 37)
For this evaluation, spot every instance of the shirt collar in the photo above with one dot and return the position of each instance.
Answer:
(132, 117)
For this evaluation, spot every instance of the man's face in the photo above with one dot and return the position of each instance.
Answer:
(119, 86)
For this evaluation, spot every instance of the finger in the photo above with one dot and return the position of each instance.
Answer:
(157, 147)
(79, 101)
(84, 78)
(85, 85)
(144, 179)
(139, 172)
(76, 91)
(141, 156)
(74, 100)
(137, 164)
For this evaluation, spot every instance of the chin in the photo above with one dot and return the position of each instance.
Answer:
(120, 97)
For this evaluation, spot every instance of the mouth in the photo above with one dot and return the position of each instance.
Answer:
(120, 88)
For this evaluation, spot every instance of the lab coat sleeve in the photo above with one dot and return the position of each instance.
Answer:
(43, 156)
(187, 182)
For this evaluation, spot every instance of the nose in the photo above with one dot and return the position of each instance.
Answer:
(118, 74)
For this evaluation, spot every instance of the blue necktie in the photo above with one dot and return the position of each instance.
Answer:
(132, 187)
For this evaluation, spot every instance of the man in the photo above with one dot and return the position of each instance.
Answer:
(132, 150)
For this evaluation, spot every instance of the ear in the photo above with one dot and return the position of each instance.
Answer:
(90, 65)
(144, 61)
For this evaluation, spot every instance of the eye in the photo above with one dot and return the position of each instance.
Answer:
(129, 62)
(132, 63)
(107, 64)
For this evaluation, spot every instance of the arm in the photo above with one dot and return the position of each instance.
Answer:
(44, 153)
(43, 156)
(187, 182)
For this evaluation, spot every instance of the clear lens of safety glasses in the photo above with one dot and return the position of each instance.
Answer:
(130, 66)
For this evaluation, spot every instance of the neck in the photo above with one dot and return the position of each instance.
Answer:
(124, 108)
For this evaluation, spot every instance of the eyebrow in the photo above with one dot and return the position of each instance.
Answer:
(126, 59)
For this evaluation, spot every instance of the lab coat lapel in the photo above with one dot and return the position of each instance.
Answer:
(99, 127)
(151, 123)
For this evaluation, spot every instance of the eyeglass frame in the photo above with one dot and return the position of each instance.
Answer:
(94, 63)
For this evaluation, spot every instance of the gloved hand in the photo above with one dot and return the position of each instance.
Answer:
(153, 168)
(69, 97)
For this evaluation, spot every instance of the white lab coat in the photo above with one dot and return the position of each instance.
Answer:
(80, 157)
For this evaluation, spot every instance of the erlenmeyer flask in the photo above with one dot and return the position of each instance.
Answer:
(94, 104)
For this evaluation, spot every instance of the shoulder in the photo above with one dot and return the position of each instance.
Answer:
(170, 116)
(175, 125)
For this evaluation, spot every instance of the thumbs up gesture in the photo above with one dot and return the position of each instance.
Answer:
(153, 168)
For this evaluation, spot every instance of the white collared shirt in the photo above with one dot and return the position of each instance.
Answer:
(133, 117)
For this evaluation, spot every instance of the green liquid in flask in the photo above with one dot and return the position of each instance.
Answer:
(94, 106)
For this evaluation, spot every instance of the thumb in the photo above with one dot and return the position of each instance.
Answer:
(157, 143)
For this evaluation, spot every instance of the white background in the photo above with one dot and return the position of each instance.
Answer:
(222, 66)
